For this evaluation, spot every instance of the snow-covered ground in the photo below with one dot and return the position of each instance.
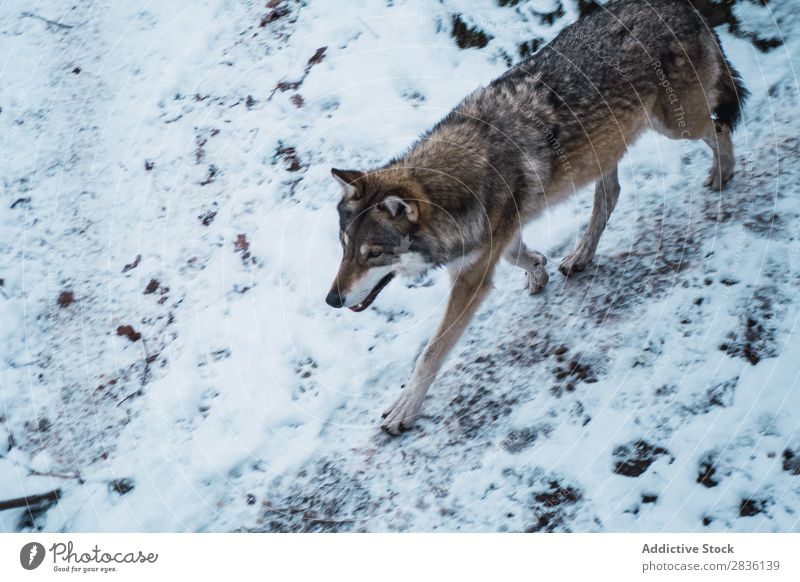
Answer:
(168, 234)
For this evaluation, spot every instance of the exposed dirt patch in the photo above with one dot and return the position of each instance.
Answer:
(128, 332)
(317, 57)
(551, 508)
(121, 486)
(65, 299)
(207, 218)
(289, 156)
(477, 411)
(791, 461)
(751, 507)
(283, 86)
(571, 373)
(277, 10)
(755, 338)
(557, 495)
(518, 440)
(242, 245)
(133, 265)
(724, 13)
(468, 36)
(707, 473)
(527, 48)
(323, 499)
(200, 140)
(35, 510)
(719, 394)
(633, 459)
(211, 174)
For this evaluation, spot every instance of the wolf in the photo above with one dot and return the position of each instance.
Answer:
(556, 122)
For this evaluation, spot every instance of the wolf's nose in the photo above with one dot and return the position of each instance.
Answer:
(334, 299)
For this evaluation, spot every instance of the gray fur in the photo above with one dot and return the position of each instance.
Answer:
(547, 127)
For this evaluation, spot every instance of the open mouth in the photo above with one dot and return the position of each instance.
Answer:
(372, 294)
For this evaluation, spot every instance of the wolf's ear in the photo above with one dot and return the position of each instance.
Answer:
(349, 180)
(395, 205)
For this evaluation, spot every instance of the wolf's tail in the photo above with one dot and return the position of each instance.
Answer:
(732, 95)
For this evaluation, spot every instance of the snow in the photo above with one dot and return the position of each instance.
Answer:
(157, 163)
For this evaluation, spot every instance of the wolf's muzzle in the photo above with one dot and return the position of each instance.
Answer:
(334, 299)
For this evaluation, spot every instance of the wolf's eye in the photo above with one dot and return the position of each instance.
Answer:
(374, 253)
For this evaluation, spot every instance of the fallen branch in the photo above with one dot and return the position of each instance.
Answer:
(76, 476)
(33, 500)
(47, 21)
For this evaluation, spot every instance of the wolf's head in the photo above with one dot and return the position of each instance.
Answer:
(379, 215)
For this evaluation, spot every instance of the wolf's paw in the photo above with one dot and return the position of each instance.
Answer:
(400, 415)
(718, 178)
(575, 262)
(536, 279)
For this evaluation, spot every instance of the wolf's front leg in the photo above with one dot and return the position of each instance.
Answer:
(469, 287)
(718, 138)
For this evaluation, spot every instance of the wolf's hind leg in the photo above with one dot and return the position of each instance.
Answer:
(718, 138)
(606, 193)
(533, 262)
